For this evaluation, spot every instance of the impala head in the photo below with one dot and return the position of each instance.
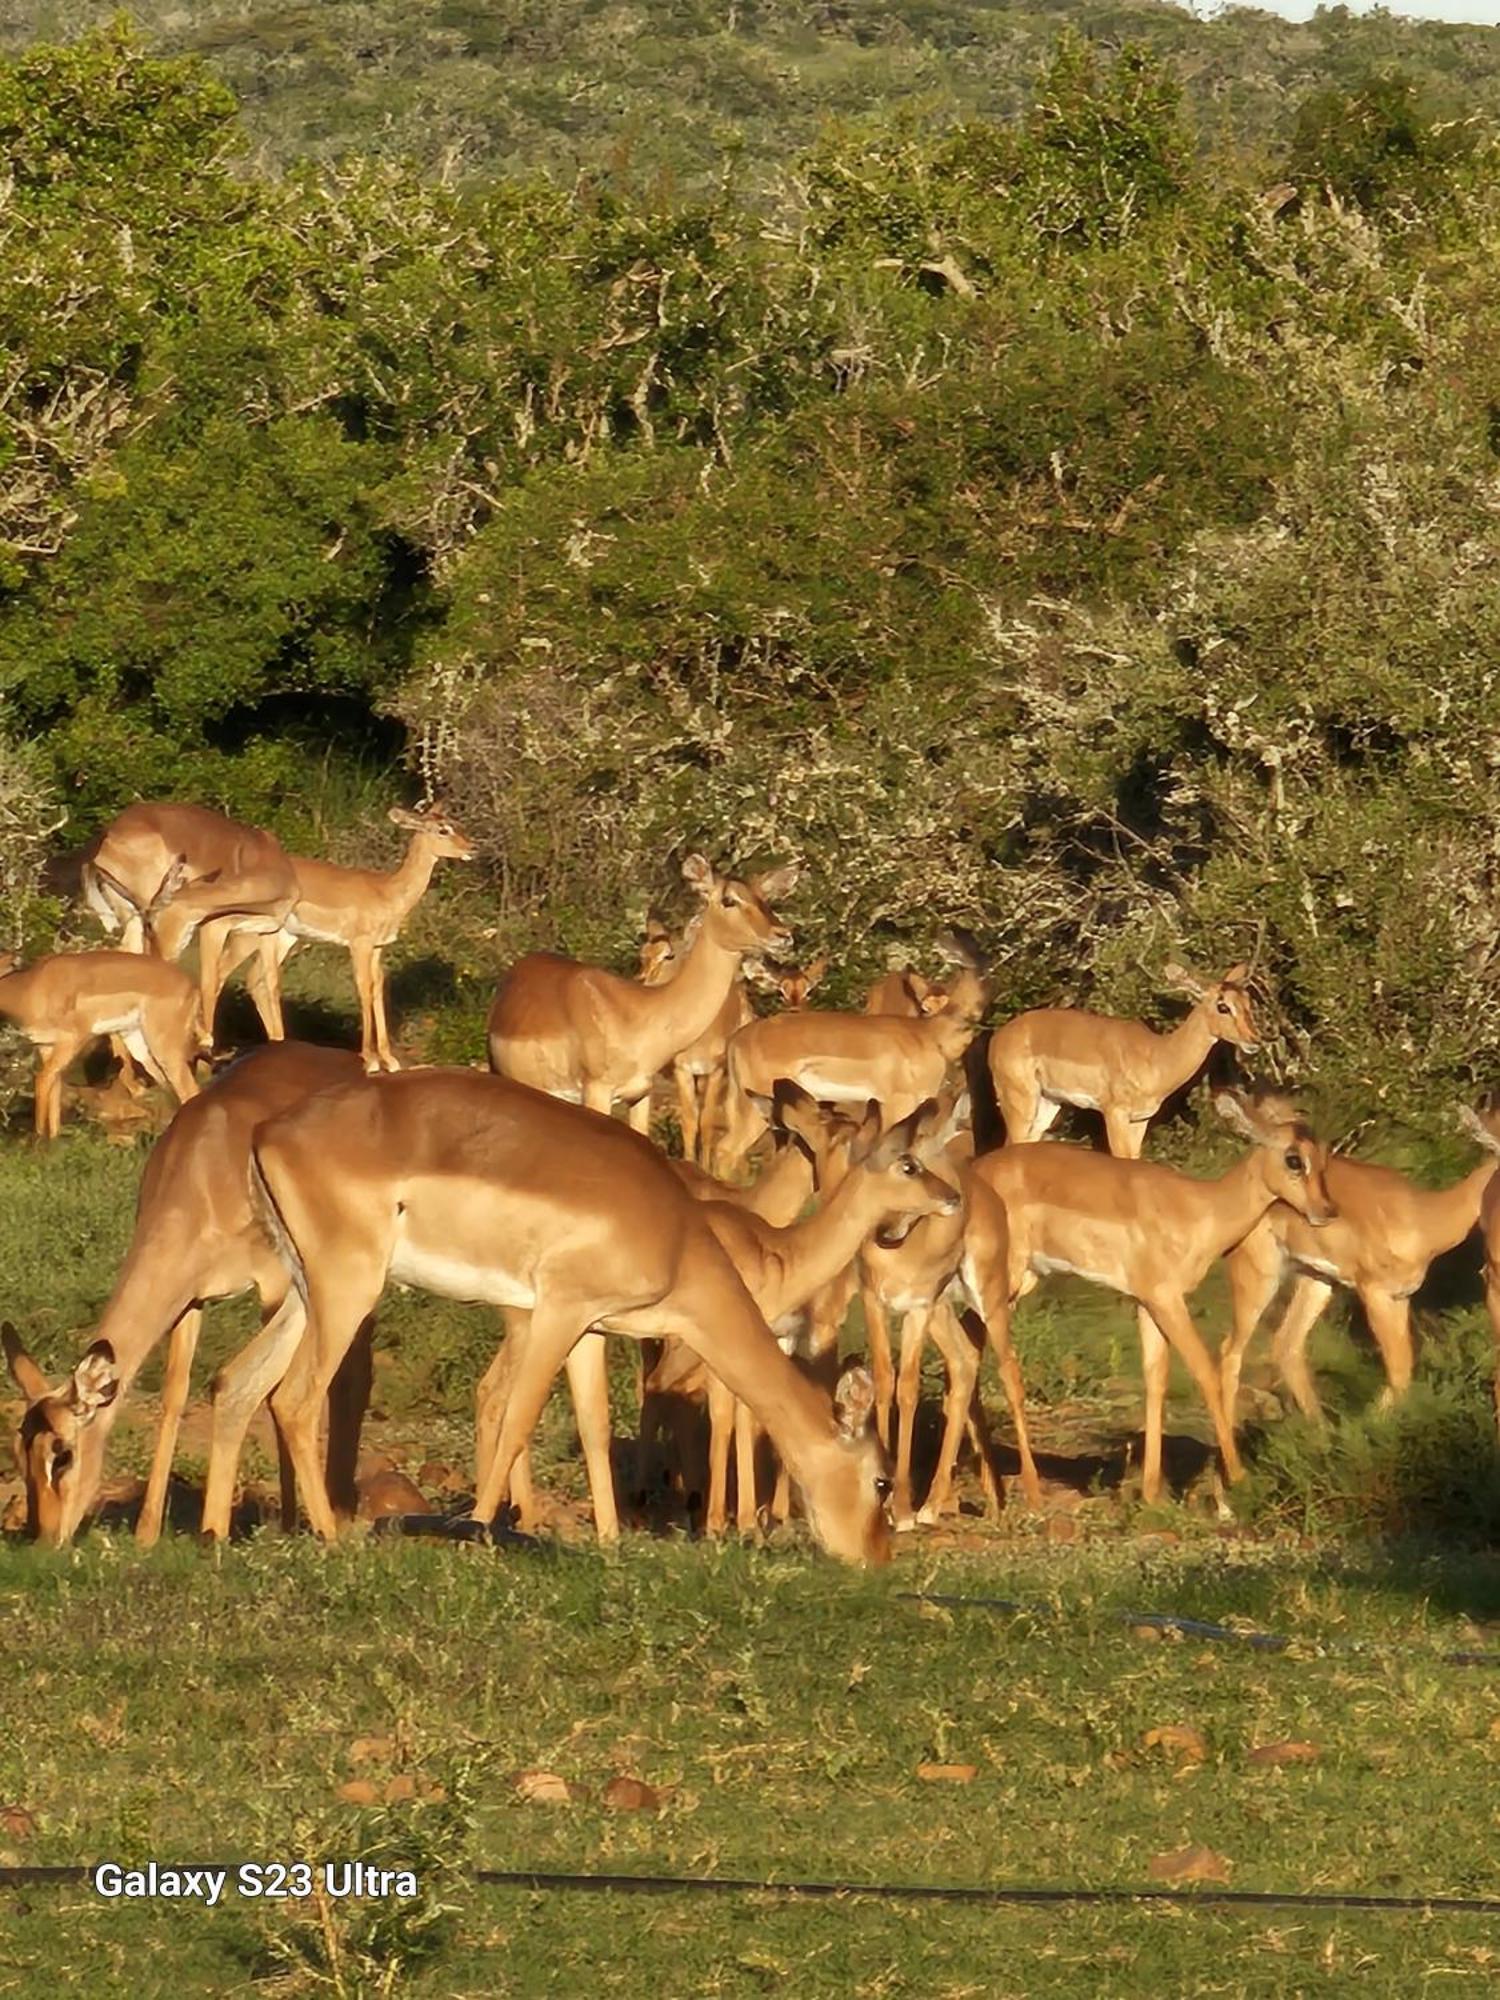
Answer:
(848, 1500)
(910, 1188)
(1292, 1159)
(1223, 1003)
(795, 985)
(53, 1442)
(444, 837)
(738, 913)
(658, 955)
(927, 996)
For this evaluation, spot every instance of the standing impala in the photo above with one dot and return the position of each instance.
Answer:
(364, 910)
(1380, 1244)
(196, 1239)
(177, 870)
(850, 1058)
(1149, 1232)
(1054, 1056)
(63, 1003)
(578, 1032)
(481, 1188)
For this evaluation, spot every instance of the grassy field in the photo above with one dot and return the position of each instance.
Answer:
(192, 1707)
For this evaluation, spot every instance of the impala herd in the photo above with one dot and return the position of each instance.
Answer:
(315, 1177)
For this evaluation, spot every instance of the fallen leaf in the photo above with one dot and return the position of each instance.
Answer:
(360, 1792)
(430, 1793)
(1285, 1753)
(371, 1750)
(623, 1794)
(400, 1788)
(949, 1774)
(1150, 1633)
(545, 1788)
(1189, 1864)
(17, 1822)
(1061, 1528)
(1181, 1738)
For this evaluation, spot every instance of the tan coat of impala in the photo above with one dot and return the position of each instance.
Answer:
(1151, 1233)
(905, 992)
(196, 1239)
(364, 910)
(1489, 1223)
(481, 1188)
(61, 1004)
(1053, 1056)
(581, 1033)
(850, 1058)
(1380, 1244)
(183, 870)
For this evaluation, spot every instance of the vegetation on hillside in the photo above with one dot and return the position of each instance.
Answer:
(1050, 523)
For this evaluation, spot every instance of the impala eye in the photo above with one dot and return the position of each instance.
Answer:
(1294, 1164)
(61, 1459)
(1223, 1006)
(909, 1165)
(883, 1488)
(731, 901)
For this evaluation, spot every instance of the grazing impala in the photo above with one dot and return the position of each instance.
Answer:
(850, 1058)
(177, 870)
(481, 1188)
(364, 910)
(1149, 1232)
(1384, 1237)
(196, 1240)
(63, 1003)
(584, 1034)
(1054, 1056)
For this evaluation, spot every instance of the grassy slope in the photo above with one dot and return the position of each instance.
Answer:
(666, 85)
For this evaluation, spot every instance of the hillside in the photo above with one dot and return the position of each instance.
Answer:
(673, 86)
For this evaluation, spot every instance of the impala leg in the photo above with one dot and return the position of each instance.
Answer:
(686, 1085)
(638, 1115)
(878, 1348)
(171, 1044)
(1254, 1273)
(212, 937)
(377, 1007)
(489, 1412)
(1289, 1343)
(588, 1383)
(963, 1352)
(362, 958)
(47, 1111)
(721, 1404)
(271, 951)
(997, 1316)
(550, 1337)
(746, 1438)
(1390, 1322)
(1492, 1303)
(1156, 1364)
(182, 1344)
(348, 1400)
(962, 1365)
(711, 1116)
(1126, 1135)
(996, 1271)
(908, 1394)
(129, 1081)
(1172, 1316)
(241, 1387)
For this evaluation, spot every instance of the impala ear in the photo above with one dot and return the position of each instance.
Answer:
(402, 816)
(24, 1372)
(854, 1401)
(778, 882)
(1236, 975)
(1183, 981)
(1236, 1113)
(698, 873)
(95, 1383)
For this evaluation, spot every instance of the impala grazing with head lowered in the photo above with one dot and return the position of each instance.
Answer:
(1149, 1232)
(481, 1188)
(62, 1003)
(196, 1240)
(850, 1058)
(180, 870)
(1054, 1056)
(1386, 1234)
(364, 911)
(587, 1035)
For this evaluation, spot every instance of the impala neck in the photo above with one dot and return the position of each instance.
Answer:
(408, 883)
(686, 1006)
(1241, 1198)
(820, 1249)
(1182, 1052)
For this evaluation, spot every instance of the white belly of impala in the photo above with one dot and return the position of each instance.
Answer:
(117, 1024)
(457, 1278)
(1046, 1267)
